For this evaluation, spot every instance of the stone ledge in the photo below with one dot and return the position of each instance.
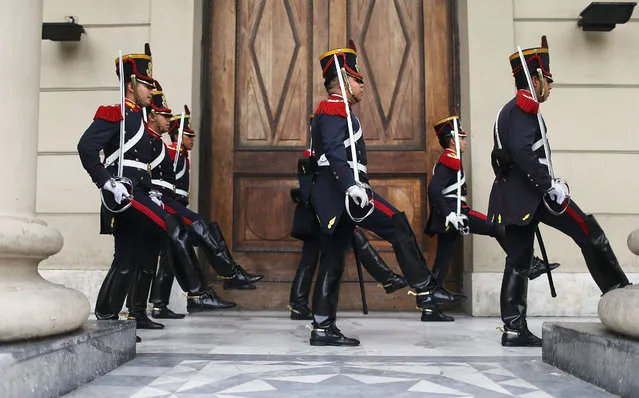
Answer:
(594, 354)
(53, 366)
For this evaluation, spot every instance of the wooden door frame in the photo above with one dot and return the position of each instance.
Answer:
(206, 184)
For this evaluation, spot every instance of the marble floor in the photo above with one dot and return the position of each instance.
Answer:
(264, 354)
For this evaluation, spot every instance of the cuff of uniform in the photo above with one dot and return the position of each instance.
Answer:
(101, 176)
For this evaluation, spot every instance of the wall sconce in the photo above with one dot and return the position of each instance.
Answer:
(603, 16)
(62, 31)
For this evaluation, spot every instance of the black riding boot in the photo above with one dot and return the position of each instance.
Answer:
(375, 265)
(217, 233)
(415, 269)
(161, 288)
(219, 259)
(119, 277)
(514, 291)
(601, 260)
(301, 286)
(186, 269)
(538, 268)
(325, 299)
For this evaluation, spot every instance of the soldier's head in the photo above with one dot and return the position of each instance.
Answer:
(538, 65)
(188, 135)
(445, 131)
(159, 112)
(138, 76)
(349, 69)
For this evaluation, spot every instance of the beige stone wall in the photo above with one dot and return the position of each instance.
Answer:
(76, 78)
(591, 117)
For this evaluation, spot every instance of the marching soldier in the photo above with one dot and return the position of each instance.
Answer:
(340, 185)
(125, 181)
(306, 228)
(162, 179)
(172, 176)
(526, 193)
(443, 219)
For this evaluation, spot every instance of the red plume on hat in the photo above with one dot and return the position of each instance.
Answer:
(147, 49)
(186, 110)
(351, 45)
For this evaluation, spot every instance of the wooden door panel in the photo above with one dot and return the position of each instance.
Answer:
(265, 80)
(272, 87)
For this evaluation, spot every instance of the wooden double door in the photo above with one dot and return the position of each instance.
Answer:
(264, 79)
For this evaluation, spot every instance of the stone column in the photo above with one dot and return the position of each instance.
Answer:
(30, 306)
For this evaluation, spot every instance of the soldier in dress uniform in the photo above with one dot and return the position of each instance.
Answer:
(163, 179)
(206, 235)
(144, 215)
(524, 192)
(306, 228)
(335, 186)
(443, 219)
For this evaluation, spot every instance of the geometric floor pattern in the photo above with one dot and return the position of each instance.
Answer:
(298, 370)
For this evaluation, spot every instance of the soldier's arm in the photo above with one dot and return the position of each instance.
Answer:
(94, 139)
(333, 130)
(437, 183)
(523, 133)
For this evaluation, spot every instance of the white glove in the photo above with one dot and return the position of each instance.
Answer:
(557, 192)
(358, 194)
(118, 189)
(156, 197)
(457, 221)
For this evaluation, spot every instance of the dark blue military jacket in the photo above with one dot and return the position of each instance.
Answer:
(104, 134)
(331, 142)
(442, 191)
(519, 188)
(182, 173)
(161, 166)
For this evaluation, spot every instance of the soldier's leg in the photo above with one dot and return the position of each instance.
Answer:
(445, 251)
(375, 265)
(161, 288)
(149, 252)
(595, 247)
(217, 233)
(480, 226)
(393, 226)
(326, 294)
(218, 256)
(301, 286)
(518, 244)
(118, 279)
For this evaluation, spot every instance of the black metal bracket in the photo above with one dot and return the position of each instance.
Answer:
(62, 31)
(604, 16)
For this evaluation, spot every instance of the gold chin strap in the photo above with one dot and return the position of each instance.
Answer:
(154, 116)
(134, 84)
(348, 84)
(540, 75)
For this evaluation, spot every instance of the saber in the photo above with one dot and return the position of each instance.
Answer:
(360, 277)
(352, 139)
(544, 256)
(463, 230)
(179, 143)
(544, 138)
(121, 154)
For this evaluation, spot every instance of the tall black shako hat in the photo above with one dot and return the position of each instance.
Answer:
(174, 129)
(537, 59)
(347, 58)
(445, 127)
(158, 102)
(137, 66)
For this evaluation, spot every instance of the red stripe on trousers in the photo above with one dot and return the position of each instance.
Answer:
(477, 214)
(582, 223)
(172, 211)
(383, 208)
(149, 213)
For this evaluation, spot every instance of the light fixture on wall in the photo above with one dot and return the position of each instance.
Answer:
(62, 31)
(602, 16)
